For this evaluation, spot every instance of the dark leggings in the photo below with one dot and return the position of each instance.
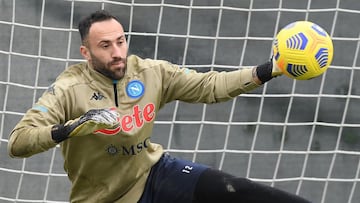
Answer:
(216, 186)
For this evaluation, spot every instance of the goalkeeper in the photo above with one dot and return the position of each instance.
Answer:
(102, 112)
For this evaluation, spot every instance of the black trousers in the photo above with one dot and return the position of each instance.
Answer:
(215, 186)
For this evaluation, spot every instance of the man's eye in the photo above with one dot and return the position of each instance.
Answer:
(104, 46)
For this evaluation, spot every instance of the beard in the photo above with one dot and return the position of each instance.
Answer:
(105, 68)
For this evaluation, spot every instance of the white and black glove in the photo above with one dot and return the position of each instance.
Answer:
(268, 70)
(89, 123)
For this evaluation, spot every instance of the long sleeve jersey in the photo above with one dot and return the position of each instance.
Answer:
(113, 165)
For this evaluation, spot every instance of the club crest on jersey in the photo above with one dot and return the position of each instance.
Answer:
(135, 89)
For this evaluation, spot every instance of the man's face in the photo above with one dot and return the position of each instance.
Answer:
(106, 48)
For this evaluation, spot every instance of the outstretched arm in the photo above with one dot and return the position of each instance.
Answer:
(211, 87)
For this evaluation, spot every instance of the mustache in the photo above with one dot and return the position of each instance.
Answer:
(116, 60)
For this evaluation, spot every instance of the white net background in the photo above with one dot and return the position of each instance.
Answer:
(300, 136)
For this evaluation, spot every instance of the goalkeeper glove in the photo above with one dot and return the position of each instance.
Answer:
(268, 70)
(89, 123)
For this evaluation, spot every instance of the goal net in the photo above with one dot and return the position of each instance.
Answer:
(299, 136)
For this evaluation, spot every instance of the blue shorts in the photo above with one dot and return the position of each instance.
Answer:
(171, 180)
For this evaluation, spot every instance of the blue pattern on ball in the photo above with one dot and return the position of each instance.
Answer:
(298, 41)
(322, 57)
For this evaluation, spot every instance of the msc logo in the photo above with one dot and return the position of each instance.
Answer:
(130, 150)
(112, 150)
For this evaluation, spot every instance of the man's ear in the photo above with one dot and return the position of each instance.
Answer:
(85, 52)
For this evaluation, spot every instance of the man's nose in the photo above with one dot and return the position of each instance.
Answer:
(116, 52)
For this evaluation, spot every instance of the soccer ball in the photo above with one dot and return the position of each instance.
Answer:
(303, 50)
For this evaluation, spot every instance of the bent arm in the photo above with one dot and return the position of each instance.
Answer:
(32, 134)
(27, 141)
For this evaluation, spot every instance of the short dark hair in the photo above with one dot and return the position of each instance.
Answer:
(85, 24)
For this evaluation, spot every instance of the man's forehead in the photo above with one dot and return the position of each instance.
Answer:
(106, 29)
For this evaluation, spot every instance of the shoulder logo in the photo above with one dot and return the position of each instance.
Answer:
(135, 89)
(51, 89)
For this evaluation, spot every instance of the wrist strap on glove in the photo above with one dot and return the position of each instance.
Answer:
(61, 132)
(264, 72)
(268, 70)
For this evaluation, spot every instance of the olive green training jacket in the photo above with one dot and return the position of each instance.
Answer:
(113, 165)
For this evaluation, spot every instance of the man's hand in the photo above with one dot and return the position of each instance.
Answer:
(267, 71)
(89, 123)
